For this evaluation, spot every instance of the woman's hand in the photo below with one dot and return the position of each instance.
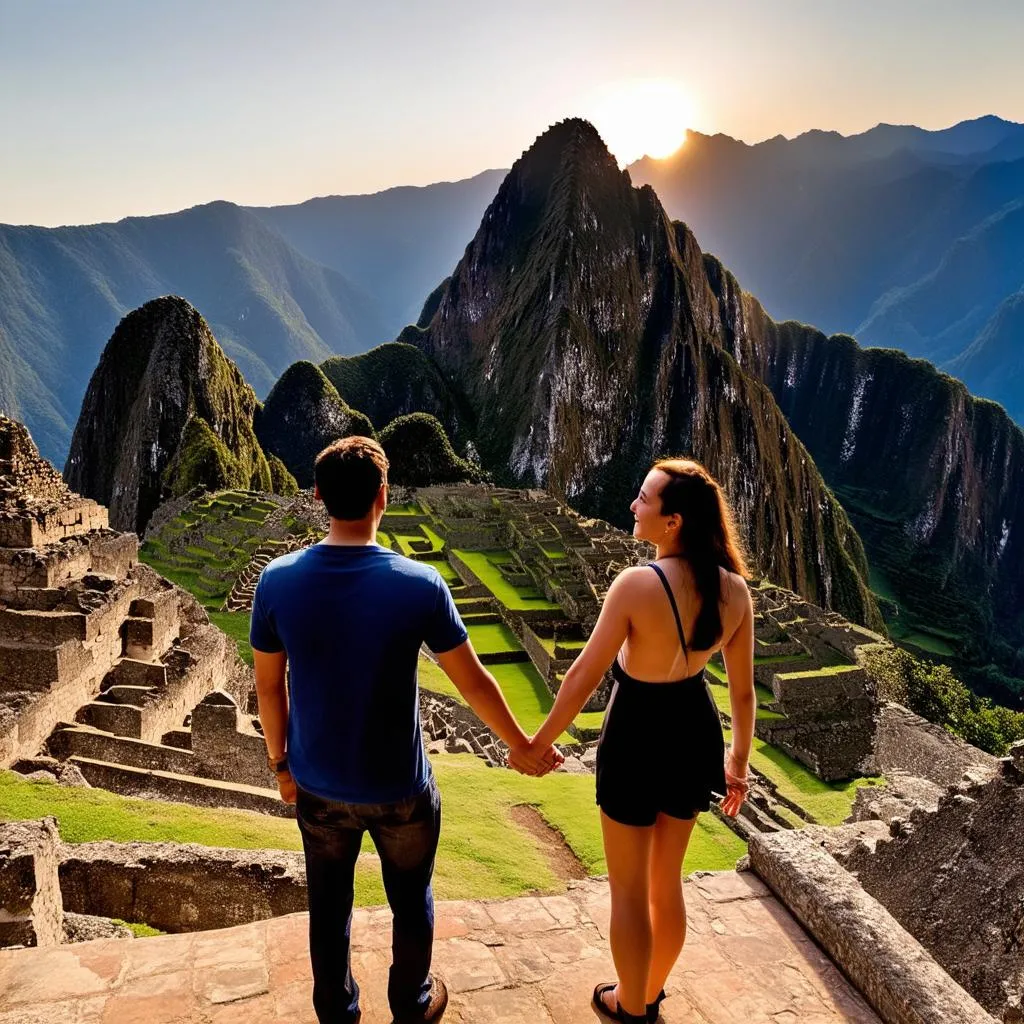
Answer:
(533, 760)
(737, 784)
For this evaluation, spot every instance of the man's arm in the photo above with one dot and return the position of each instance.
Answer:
(484, 696)
(272, 697)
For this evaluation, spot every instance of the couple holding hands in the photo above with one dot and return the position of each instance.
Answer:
(336, 633)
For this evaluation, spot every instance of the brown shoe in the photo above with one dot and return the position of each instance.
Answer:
(435, 1008)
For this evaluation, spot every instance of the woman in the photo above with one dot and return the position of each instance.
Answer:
(661, 753)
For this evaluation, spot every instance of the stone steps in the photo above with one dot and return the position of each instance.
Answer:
(83, 742)
(137, 696)
(188, 789)
(119, 719)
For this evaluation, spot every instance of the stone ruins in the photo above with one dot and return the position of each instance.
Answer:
(111, 676)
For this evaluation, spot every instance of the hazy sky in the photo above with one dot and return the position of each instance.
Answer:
(110, 108)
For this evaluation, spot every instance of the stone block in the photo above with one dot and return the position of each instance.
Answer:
(179, 888)
(119, 719)
(31, 912)
(888, 965)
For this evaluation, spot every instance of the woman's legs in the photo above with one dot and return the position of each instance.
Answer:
(668, 912)
(627, 850)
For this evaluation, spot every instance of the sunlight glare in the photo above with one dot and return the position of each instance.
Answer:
(647, 117)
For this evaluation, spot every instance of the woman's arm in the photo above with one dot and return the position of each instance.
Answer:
(738, 653)
(589, 668)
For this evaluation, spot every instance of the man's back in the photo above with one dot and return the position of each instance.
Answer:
(351, 619)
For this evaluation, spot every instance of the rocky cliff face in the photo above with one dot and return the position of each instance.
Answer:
(161, 369)
(303, 414)
(933, 478)
(583, 332)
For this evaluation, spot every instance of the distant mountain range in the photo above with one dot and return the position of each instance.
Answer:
(907, 238)
(904, 238)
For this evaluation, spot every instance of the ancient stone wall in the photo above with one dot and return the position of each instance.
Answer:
(888, 965)
(907, 743)
(30, 900)
(954, 878)
(179, 888)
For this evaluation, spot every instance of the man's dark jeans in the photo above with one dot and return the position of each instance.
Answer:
(405, 835)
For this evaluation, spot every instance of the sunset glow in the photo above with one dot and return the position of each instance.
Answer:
(643, 118)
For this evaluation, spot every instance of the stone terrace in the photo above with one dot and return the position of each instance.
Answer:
(532, 960)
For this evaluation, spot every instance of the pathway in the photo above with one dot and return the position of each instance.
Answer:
(531, 960)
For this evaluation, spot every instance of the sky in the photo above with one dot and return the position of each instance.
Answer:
(110, 108)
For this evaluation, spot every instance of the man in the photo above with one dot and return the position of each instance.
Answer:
(346, 619)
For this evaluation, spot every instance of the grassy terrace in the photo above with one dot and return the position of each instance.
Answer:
(229, 522)
(524, 689)
(829, 802)
(482, 853)
(486, 565)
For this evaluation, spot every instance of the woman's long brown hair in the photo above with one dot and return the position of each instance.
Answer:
(708, 539)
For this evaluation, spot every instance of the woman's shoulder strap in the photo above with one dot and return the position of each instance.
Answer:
(672, 600)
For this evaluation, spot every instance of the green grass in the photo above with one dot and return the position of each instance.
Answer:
(448, 574)
(481, 854)
(404, 510)
(829, 803)
(140, 931)
(485, 564)
(492, 638)
(236, 625)
(720, 693)
(824, 670)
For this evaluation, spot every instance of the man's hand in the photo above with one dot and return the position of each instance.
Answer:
(530, 760)
(286, 787)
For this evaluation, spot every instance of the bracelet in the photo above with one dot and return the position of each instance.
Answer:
(278, 767)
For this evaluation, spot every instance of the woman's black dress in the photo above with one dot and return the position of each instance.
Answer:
(661, 746)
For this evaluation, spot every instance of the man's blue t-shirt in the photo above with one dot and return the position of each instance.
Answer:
(351, 620)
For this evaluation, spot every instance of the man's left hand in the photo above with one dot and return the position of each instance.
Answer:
(286, 787)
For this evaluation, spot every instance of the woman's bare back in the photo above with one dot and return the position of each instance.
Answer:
(651, 652)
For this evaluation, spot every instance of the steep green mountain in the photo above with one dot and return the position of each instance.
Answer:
(395, 245)
(302, 415)
(420, 453)
(63, 290)
(165, 411)
(582, 331)
(395, 379)
(932, 477)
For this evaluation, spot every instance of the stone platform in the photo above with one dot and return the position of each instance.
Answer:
(532, 960)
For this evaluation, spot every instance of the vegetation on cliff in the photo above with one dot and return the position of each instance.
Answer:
(393, 380)
(302, 415)
(203, 460)
(281, 481)
(932, 691)
(420, 453)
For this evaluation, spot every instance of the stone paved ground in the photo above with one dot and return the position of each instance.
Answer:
(532, 960)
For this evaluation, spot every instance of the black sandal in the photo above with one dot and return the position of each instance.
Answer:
(618, 1014)
(654, 1009)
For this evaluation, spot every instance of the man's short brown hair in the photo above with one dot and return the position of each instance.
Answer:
(349, 473)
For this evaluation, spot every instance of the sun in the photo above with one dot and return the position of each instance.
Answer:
(645, 117)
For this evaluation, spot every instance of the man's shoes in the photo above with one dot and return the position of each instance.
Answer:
(435, 1008)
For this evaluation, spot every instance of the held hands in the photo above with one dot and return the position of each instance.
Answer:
(530, 760)
(737, 784)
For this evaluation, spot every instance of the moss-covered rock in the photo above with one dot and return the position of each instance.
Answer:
(393, 380)
(202, 460)
(421, 454)
(281, 481)
(302, 415)
(162, 378)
